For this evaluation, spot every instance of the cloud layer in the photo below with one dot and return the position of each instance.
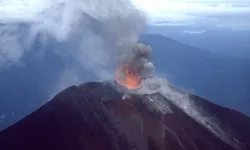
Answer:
(214, 13)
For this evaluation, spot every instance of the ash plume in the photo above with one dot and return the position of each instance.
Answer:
(138, 58)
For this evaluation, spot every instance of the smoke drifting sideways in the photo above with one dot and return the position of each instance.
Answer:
(89, 38)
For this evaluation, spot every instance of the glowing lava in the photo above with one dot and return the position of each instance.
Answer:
(128, 77)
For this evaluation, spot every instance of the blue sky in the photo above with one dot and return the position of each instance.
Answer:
(234, 14)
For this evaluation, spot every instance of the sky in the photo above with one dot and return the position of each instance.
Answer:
(234, 14)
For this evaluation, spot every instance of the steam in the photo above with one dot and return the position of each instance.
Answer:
(92, 33)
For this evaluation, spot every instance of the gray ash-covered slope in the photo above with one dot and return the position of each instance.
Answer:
(222, 79)
(93, 116)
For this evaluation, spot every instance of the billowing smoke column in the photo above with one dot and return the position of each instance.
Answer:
(142, 54)
(134, 66)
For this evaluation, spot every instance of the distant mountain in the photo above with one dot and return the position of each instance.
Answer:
(39, 70)
(223, 41)
(80, 119)
(224, 80)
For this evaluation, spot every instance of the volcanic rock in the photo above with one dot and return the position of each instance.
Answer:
(93, 116)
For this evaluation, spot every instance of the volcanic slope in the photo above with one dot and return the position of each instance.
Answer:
(93, 116)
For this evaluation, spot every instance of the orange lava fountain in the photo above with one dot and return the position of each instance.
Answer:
(128, 78)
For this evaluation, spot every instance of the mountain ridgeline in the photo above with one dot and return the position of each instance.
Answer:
(224, 41)
(222, 79)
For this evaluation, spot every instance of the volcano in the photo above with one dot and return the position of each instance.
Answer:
(93, 116)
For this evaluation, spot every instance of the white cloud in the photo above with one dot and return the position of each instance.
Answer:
(13, 10)
(213, 12)
(194, 31)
